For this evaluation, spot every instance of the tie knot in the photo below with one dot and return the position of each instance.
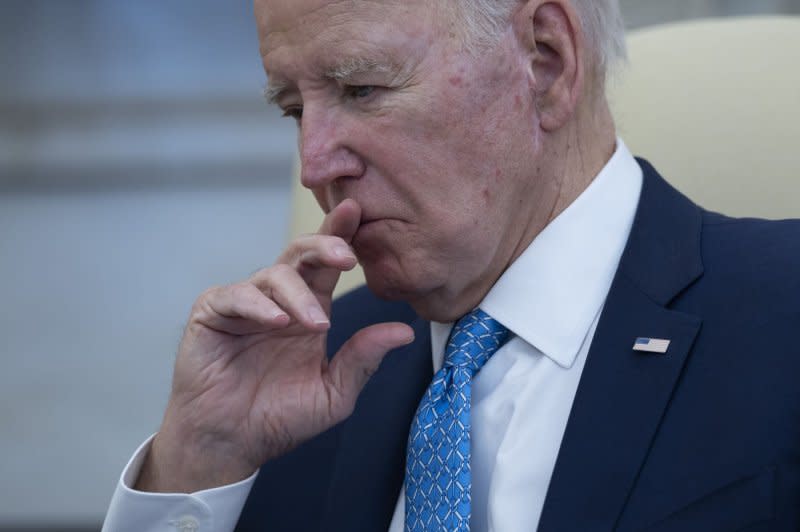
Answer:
(474, 339)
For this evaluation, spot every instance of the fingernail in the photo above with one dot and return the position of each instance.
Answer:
(317, 316)
(343, 252)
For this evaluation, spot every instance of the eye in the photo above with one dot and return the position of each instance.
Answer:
(295, 111)
(358, 92)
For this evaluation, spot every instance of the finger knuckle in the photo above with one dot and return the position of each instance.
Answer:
(207, 294)
(241, 288)
(296, 247)
(249, 292)
(304, 240)
(202, 305)
(281, 270)
(257, 274)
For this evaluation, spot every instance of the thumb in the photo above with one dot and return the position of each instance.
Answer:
(359, 358)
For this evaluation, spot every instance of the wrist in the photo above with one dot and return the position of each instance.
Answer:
(187, 465)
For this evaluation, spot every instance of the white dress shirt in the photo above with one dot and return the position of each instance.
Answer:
(550, 298)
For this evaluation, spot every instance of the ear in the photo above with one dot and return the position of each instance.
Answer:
(549, 30)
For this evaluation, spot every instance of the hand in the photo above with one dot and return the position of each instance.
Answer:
(252, 379)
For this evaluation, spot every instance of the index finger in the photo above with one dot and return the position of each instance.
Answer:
(342, 221)
(319, 266)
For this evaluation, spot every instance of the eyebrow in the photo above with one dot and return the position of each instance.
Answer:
(341, 72)
(273, 91)
(357, 65)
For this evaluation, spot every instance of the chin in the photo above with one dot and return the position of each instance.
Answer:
(390, 288)
(423, 293)
(390, 282)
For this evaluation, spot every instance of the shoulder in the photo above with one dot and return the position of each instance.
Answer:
(748, 299)
(754, 230)
(749, 291)
(762, 255)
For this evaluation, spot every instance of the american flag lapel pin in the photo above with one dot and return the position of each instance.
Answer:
(651, 345)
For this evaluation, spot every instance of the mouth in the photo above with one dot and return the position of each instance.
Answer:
(367, 221)
(371, 230)
(370, 218)
(368, 225)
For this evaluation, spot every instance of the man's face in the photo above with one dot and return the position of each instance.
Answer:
(438, 147)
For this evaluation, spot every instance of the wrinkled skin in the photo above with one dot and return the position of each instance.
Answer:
(435, 145)
(252, 379)
(435, 171)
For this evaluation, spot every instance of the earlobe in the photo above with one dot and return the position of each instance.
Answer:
(550, 32)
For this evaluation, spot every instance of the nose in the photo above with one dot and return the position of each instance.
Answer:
(325, 154)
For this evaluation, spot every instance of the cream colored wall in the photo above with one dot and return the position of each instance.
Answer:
(715, 106)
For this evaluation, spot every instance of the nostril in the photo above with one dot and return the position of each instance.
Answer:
(323, 169)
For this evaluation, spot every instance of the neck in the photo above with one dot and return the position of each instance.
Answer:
(575, 155)
(569, 160)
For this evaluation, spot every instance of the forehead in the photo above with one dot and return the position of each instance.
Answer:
(309, 39)
(282, 14)
(326, 28)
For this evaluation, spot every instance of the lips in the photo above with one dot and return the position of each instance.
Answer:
(366, 221)
(369, 218)
(370, 228)
(366, 225)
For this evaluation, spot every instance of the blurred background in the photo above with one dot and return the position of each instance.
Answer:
(138, 166)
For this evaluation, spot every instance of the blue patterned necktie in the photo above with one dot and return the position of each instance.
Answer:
(438, 477)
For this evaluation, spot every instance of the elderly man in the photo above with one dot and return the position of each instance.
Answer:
(573, 345)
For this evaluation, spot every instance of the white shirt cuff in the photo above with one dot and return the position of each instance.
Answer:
(216, 509)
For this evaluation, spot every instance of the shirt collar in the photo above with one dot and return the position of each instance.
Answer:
(552, 293)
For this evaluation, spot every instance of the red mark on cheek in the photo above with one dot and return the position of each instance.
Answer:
(455, 81)
(486, 194)
(518, 101)
(497, 174)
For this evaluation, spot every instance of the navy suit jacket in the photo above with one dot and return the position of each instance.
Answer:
(703, 438)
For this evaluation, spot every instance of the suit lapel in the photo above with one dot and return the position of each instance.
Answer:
(370, 463)
(623, 394)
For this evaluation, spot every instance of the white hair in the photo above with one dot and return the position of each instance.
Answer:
(601, 20)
